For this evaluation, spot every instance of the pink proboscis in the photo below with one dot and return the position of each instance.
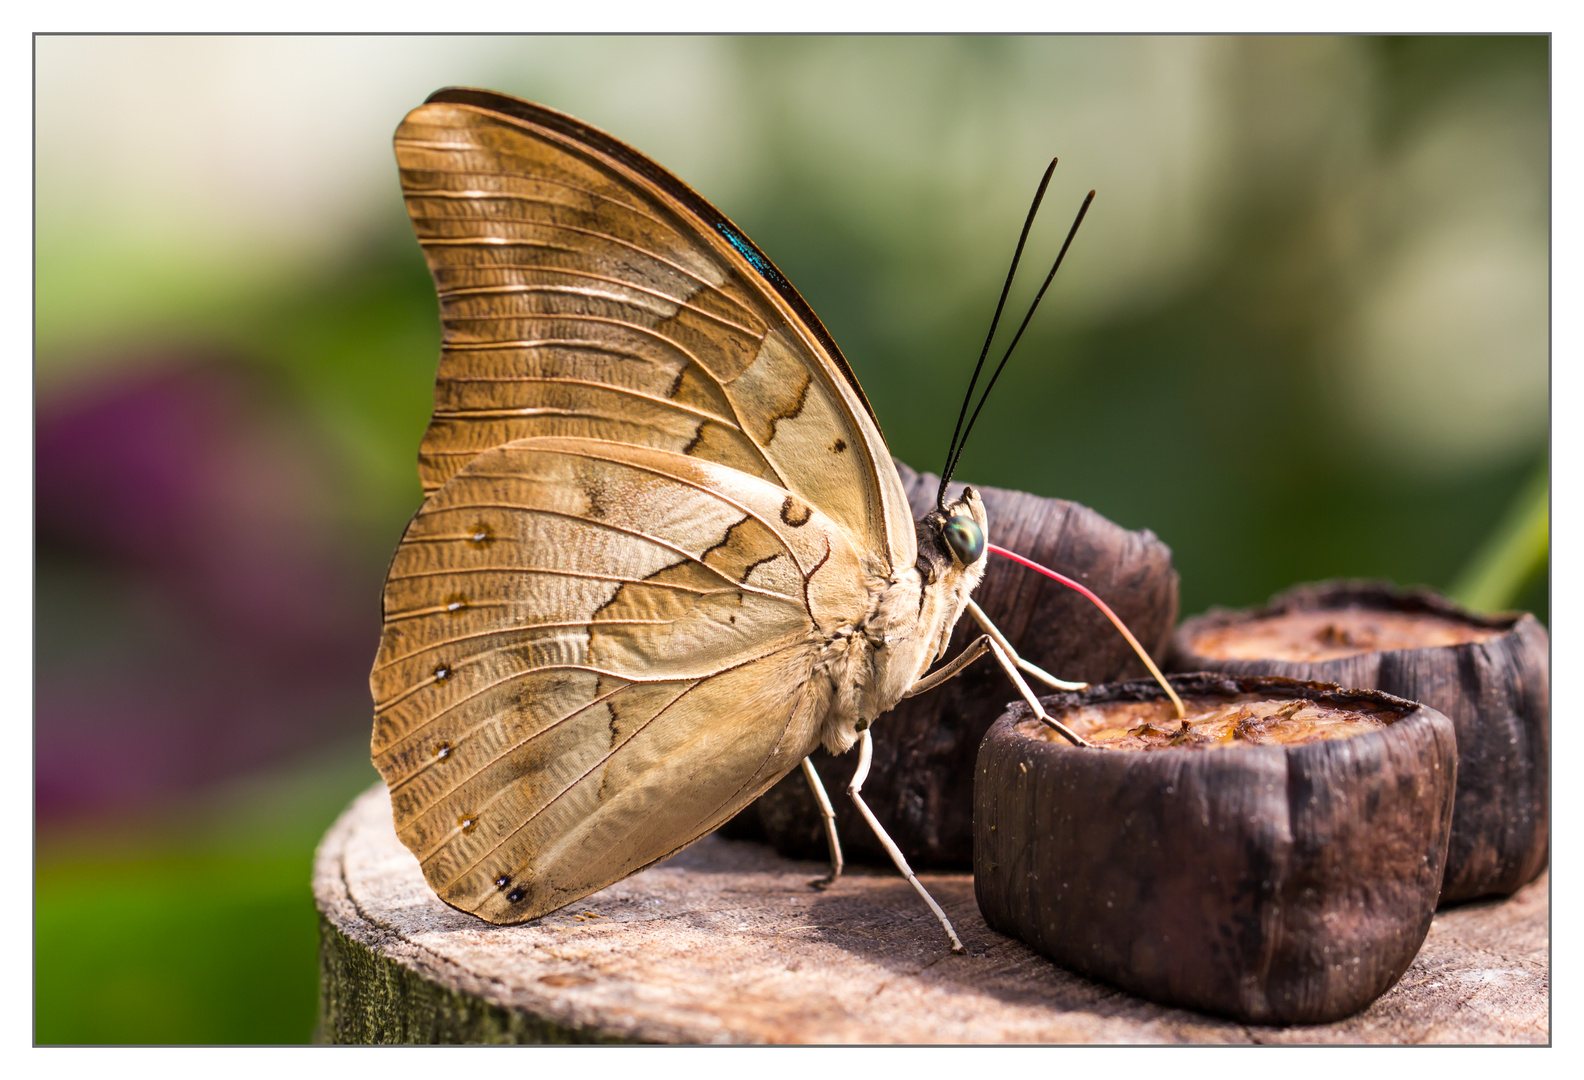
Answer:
(1104, 607)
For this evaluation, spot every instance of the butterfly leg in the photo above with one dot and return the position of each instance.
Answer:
(860, 774)
(1028, 696)
(828, 813)
(1006, 646)
(975, 651)
(929, 682)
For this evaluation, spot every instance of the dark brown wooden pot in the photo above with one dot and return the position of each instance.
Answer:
(1270, 883)
(1496, 690)
(921, 782)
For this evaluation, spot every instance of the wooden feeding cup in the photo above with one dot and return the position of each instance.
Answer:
(1490, 674)
(1275, 857)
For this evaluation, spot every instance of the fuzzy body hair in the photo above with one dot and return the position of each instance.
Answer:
(871, 663)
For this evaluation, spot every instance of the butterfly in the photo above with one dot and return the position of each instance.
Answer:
(663, 552)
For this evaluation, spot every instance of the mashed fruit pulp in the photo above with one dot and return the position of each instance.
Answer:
(1330, 635)
(1212, 722)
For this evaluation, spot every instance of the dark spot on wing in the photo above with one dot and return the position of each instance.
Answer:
(795, 513)
(838, 446)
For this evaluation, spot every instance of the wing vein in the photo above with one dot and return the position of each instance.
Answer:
(503, 241)
(484, 195)
(525, 629)
(549, 570)
(598, 764)
(407, 736)
(592, 384)
(484, 290)
(653, 471)
(580, 318)
(469, 733)
(657, 541)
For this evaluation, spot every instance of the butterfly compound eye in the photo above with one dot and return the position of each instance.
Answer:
(965, 537)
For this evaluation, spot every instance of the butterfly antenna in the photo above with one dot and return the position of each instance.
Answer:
(1028, 223)
(951, 465)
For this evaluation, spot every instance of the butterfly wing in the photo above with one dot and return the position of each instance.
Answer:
(585, 291)
(595, 653)
(653, 489)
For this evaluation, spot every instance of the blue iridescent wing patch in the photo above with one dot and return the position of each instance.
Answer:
(749, 252)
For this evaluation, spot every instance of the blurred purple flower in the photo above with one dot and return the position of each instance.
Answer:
(201, 608)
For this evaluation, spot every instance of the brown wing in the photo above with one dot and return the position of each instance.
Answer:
(586, 292)
(594, 653)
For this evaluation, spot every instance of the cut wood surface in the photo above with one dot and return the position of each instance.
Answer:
(726, 943)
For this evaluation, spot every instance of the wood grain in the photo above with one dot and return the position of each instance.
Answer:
(725, 943)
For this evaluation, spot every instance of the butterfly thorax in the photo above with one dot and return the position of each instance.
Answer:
(873, 662)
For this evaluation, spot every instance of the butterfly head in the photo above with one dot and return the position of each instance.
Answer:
(965, 537)
(964, 528)
(952, 547)
(952, 537)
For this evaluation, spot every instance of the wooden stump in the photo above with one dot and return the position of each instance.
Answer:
(726, 943)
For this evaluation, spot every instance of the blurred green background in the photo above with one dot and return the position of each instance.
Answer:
(1302, 334)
